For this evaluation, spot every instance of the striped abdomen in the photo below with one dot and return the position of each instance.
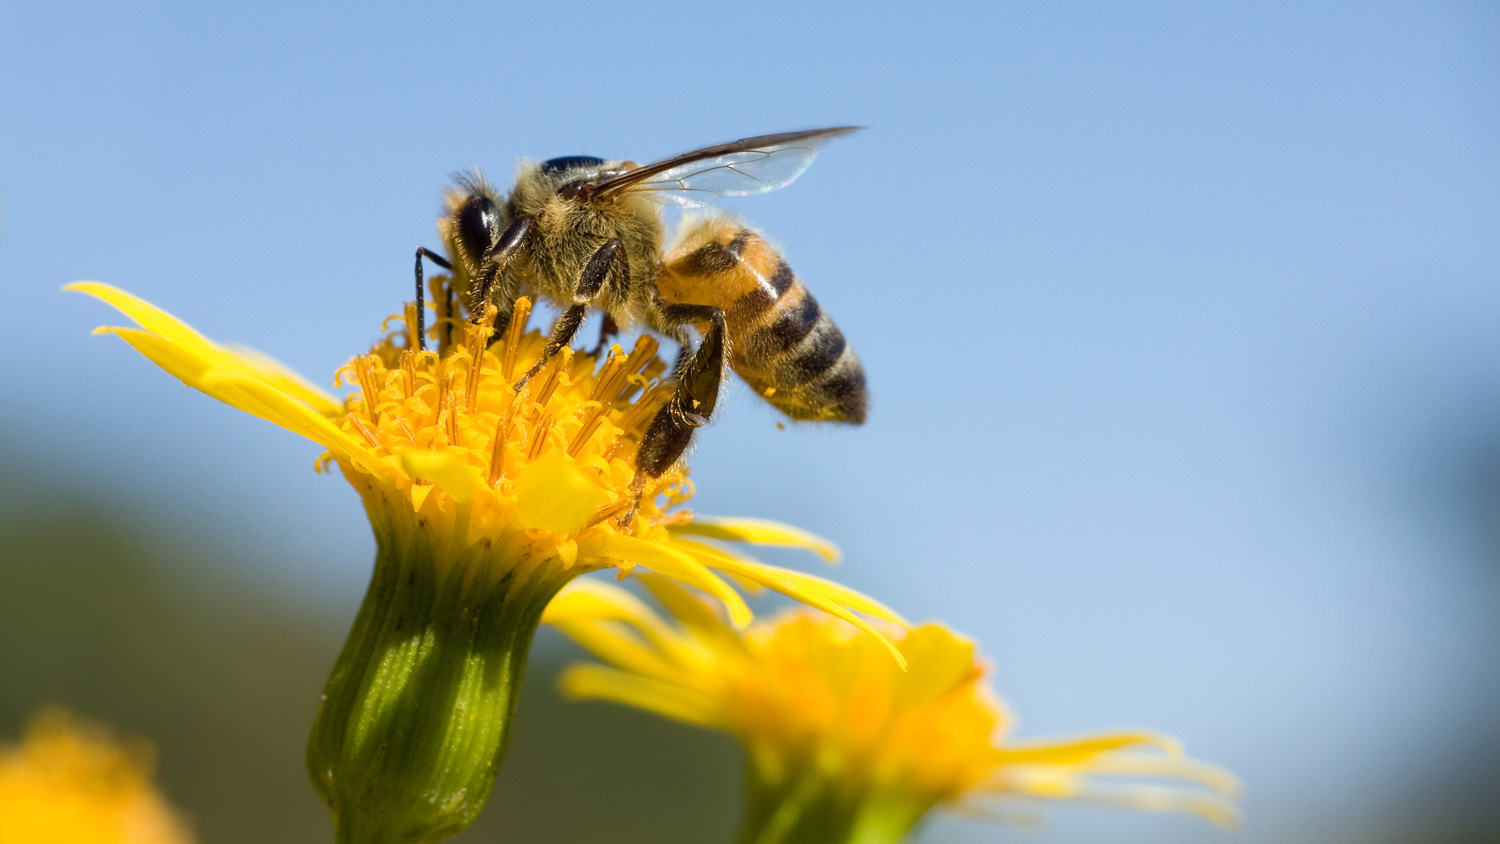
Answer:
(784, 346)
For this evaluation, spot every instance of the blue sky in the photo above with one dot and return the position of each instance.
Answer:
(1179, 319)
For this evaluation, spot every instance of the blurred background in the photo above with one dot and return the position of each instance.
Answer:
(1180, 322)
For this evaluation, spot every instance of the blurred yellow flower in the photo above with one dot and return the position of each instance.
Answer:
(485, 502)
(68, 783)
(843, 746)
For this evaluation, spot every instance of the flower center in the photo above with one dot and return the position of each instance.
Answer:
(451, 426)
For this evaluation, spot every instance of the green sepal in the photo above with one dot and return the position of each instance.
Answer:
(417, 714)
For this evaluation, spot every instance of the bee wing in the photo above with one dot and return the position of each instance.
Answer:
(739, 168)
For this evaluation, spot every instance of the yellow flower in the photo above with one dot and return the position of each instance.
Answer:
(843, 746)
(68, 783)
(484, 503)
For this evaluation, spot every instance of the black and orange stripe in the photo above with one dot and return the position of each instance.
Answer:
(781, 342)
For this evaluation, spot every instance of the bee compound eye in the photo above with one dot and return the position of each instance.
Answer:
(553, 166)
(478, 227)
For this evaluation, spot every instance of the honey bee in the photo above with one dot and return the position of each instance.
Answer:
(585, 233)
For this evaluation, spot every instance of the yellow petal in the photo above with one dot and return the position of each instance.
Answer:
(553, 494)
(811, 591)
(1155, 765)
(590, 600)
(447, 470)
(248, 383)
(670, 562)
(625, 651)
(148, 316)
(782, 580)
(666, 699)
(685, 607)
(278, 375)
(207, 375)
(941, 660)
(758, 532)
(1050, 783)
(1079, 750)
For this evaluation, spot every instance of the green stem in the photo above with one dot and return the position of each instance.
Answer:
(416, 716)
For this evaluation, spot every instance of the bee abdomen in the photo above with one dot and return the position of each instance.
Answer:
(791, 351)
(800, 362)
(780, 340)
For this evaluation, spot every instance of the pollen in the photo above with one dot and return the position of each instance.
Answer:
(569, 435)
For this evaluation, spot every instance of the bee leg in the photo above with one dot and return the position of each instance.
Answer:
(424, 252)
(495, 259)
(589, 285)
(697, 380)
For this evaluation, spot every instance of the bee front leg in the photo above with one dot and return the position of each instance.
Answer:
(696, 394)
(494, 261)
(589, 285)
(424, 252)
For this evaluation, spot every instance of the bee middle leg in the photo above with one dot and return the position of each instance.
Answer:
(697, 380)
(589, 284)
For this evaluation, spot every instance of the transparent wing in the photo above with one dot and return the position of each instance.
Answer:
(732, 174)
(744, 167)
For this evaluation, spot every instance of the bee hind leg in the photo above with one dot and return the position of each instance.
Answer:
(589, 285)
(696, 393)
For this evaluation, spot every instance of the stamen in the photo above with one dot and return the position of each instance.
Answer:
(476, 340)
(365, 432)
(562, 360)
(411, 325)
(369, 385)
(497, 447)
(609, 511)
(676, 517)
(406, 429)
(451, 427)
(613, 371)
(633, 422)
(641, 358)
(612, 380)
(409, 372)
(595, 419)
(539, 437)
(681, 491)
(444, 412)
(513, 333)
